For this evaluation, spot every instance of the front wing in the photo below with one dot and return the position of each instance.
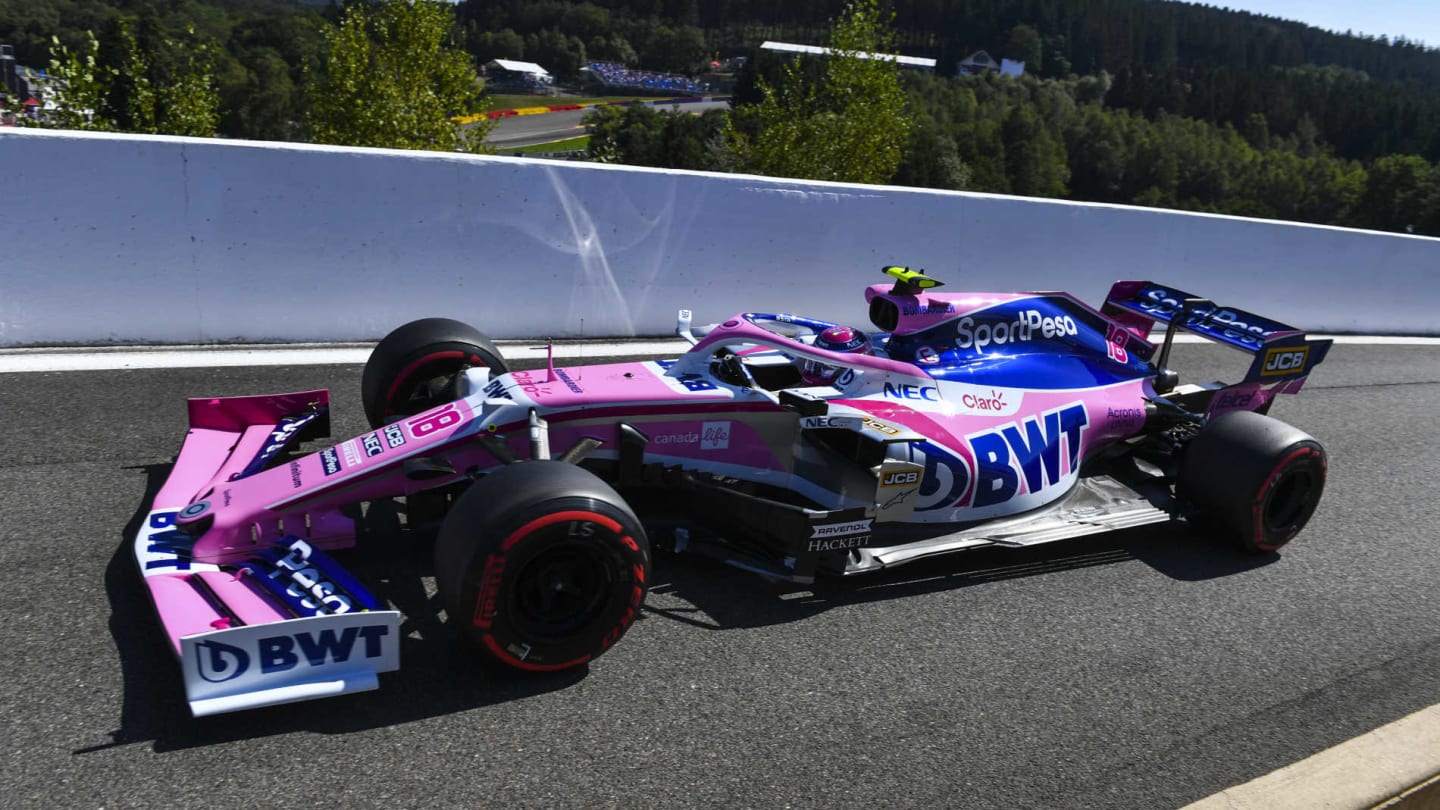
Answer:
(288, 624)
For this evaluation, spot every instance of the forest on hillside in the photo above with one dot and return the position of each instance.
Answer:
(1135, 101)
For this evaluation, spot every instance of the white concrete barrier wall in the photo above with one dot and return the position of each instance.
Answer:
(135, 239)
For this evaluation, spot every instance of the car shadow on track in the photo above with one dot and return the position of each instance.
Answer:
(706, 593)
(441, 676)
(438, 675)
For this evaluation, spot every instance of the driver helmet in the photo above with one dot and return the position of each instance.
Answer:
(844, 339)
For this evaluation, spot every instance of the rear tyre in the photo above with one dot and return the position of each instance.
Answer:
(542, 565)
(1253, 477)
(413, 368)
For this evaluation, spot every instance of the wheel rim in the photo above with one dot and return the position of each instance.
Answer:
(418, 387)
(562, 590)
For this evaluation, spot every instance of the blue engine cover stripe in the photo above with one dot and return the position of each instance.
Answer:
(1043, 342)
(1043, 372)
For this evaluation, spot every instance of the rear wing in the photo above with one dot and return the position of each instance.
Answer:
(1282, 352)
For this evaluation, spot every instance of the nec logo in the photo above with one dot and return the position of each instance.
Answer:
(929, 393)
(1284, 361)
(900, 478)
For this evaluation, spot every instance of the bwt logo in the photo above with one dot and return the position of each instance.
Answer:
(166, 546)
(1028, 452)
(1038, 452)
(218, 662)
(1284, 361)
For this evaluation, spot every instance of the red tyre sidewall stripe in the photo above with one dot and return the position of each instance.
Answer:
(510, 659)
(556, 517)
(1258, 510)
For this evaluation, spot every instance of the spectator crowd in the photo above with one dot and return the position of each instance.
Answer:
(611, 74)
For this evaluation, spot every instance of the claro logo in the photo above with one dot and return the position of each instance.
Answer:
(994, 401)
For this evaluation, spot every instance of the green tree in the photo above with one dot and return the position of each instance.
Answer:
(674, 49)
(1396, 194)
(78, 86)
(392, 78)
(187, 97)
(640, 135)
(164, 85)
(852, 125)
(1034, 160)
(558, 53)
(505, 44)
(1023, 44)
(1095, 145)
(161, 84)
(933, 161)
(612, 49)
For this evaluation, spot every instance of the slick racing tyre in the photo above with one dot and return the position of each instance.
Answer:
(414, 367)
(1253, 477)
(542, 565)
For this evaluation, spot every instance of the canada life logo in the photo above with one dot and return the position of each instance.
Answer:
(715, 436)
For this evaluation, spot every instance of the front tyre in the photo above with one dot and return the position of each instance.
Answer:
(542, 565)
(413, 368)
(1256, 478)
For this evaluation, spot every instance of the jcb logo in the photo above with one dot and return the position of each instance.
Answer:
(900, 478)
(1284, 361)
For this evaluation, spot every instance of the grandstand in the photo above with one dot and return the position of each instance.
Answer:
(616, 77)
(509, 75)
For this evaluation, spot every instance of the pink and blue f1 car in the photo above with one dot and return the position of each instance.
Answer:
(967, 420)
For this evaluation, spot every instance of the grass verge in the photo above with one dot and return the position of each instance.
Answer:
(567, 145)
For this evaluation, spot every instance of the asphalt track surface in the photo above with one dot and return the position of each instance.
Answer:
(1145, 669)
(527, 130)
